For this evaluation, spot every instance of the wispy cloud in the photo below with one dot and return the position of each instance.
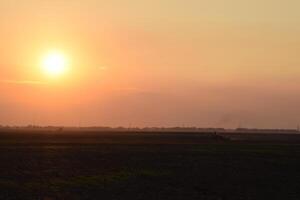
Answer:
(103, 68)
(129, 89)
(23, 82)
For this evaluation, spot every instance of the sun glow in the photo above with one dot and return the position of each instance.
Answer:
(55, 64)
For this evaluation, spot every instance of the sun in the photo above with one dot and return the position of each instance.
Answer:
(55, 64)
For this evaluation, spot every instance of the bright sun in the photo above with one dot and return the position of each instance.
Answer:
(55, 64)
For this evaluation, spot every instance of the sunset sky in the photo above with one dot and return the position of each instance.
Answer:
(213, 63)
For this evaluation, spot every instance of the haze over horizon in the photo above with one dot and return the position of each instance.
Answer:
(218, 63)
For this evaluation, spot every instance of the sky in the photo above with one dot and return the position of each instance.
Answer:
(217, 63)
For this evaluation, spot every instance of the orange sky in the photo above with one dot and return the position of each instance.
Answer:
(152, 63)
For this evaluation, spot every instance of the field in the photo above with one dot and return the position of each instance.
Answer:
(146, 166)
